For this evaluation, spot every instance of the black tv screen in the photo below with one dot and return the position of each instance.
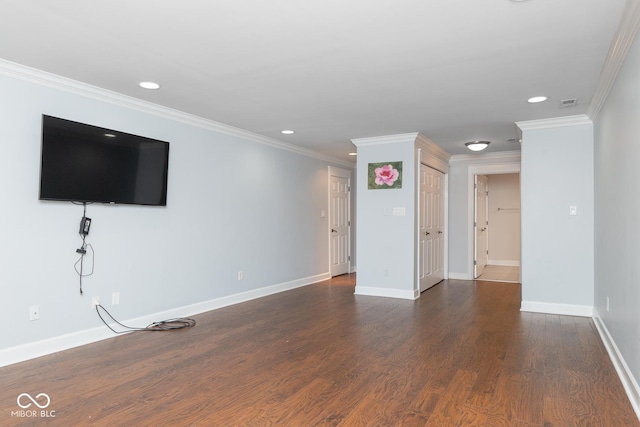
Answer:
(84, 163)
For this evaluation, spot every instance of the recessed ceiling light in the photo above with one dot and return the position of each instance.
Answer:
(537, 99)
(150, 85)
(353, 153)
(109, 135)
(287, 132)
(477, 145)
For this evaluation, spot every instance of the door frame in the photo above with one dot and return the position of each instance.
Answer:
(487, 169)
(342, 173)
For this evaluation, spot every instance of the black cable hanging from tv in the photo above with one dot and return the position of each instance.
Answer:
(85, 225)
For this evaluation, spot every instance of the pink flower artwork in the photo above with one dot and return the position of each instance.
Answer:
(386, 175)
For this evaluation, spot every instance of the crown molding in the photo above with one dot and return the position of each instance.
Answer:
(53, 81)
(581, 119)
(386, 139)
(432, 148)
(499, 157)
(417, 138)
(622, 41)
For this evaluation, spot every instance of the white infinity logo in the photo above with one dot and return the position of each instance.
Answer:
(33, 400)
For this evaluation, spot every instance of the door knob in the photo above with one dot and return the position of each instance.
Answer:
(334, 231)
(426, 233)
(439, 232)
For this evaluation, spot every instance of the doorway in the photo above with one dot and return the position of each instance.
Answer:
(497, 227)
(339, 221)
(481, 225)
(505, 165)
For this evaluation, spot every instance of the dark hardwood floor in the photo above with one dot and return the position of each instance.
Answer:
(461, 355)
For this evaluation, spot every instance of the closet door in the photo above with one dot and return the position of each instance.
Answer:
(431, 230)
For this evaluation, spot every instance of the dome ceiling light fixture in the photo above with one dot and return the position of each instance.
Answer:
(477, 145)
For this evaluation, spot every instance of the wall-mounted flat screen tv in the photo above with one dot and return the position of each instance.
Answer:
(84, 163)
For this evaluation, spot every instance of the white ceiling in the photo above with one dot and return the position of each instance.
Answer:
(332, 70)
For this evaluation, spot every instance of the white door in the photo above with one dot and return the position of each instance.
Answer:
(339, 224)
(481, 224)
(431, 239)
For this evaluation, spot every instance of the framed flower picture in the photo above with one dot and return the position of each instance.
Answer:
(385, 175)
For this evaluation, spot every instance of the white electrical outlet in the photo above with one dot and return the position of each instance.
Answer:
(240, 275)
(34, 312)
(607, 303)
(95, 301)
(115, 298)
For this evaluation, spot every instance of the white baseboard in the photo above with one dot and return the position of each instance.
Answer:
(626, 376)
(460, 276)
(35, 349)
(352, 269)
(553, 308)
(387, 292)
(504, 263)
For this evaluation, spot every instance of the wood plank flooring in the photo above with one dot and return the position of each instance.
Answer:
(461, 355)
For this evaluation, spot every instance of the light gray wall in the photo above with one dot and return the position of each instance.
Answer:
(617, 211)
(233, 204)
(557, 249)
(458, 219)
(384, 241)
(504, 218)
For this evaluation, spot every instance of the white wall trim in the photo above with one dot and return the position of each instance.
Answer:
(35, 349)
(64, 84)
(504, 263)
(431, 154)
(387, 292)
(500, 157)
(385, 139)
(556, 122)
(620, 45)
(343, 173)
(553, 308)
(626, 376)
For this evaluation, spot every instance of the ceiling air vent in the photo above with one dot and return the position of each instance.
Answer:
(568, 103)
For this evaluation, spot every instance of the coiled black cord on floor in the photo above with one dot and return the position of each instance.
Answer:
(164, 325)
